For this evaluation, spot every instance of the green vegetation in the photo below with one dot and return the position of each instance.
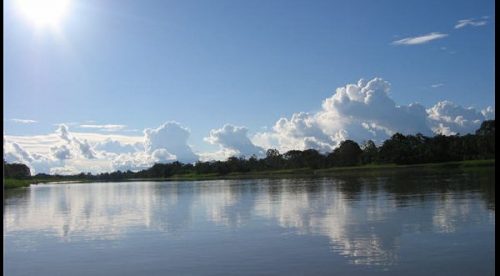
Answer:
(307, 172)
(9, 183)
(16, 175)
(17, 171)
(400, 151)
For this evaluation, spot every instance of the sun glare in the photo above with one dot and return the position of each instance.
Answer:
(44, 13)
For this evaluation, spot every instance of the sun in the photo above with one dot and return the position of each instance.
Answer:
(44, 13)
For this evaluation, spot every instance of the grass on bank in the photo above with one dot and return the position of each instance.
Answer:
(453, 164)
(10, 183)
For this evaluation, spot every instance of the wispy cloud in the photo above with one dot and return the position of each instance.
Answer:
(66, 123)
(24, 121)
(470, 22)
(132, 130)
(419, 39)
(105, 127)
(437, 85)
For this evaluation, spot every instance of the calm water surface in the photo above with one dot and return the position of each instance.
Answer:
(414, 222)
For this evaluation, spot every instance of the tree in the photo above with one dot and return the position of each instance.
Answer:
(293, 159)
(370, 152)
(486, 128)
(395, 150)
(313, 159)
(347, 154)
(274, 160)
(16, 170)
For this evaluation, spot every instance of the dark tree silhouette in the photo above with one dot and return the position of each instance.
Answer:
(347, 154)
(370, 153)
(16, 170)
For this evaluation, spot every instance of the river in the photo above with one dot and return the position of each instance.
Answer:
(412, 222)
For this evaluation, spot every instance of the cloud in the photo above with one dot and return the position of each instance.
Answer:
(358, 111)
(131, 130)
(66, 123)
(172, 137)
(82, 146)
(24, 121)
(470, 22)
(15, 153)
(419, 39)
(163, 156)
(61, 152)
(367, 104)
(115, 146)
(488, 113)
(63, 133)
(68, 170)
(448, 118)
(105, 127)
(65, 152)
(437, 85)
(235, 139)
(221, 154)
(133, 161)
(62, 148)
(301, 131)
(365, 111)
(85, 148)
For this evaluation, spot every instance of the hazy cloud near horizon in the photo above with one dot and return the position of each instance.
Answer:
(358, 111)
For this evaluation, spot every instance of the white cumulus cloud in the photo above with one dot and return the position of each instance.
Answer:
(81, 146)
(65, 152)
(61, 152)
(172, 137)
(115, 146)
(133, 161)
(365, 111)
(448, 118)
(488, 113)
(15, 153)
(235, 139)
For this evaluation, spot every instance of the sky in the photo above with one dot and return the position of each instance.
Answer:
(102, 85)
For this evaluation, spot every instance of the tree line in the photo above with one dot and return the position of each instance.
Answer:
(399, 149)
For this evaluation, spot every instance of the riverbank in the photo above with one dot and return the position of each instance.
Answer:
(11, 183)
(307, 172)
(303, 172)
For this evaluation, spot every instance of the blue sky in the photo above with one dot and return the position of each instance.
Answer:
(246, 63)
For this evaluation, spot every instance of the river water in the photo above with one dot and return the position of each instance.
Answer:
(413, 222)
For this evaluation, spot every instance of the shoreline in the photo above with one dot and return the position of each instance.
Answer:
(272, 174)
